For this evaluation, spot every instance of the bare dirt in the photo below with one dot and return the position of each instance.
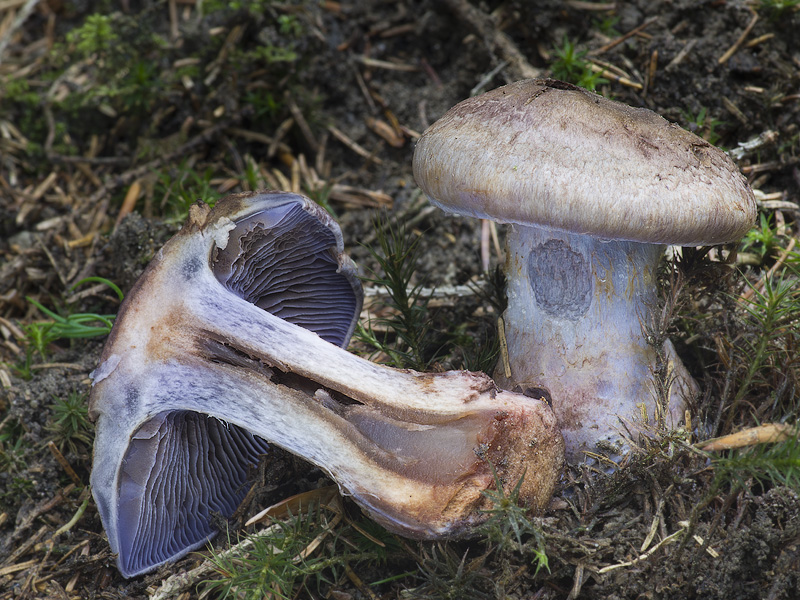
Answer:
(403, 63)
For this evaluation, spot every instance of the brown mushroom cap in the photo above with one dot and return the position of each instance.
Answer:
(547, 153)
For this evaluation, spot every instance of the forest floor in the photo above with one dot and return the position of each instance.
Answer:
(116, 116)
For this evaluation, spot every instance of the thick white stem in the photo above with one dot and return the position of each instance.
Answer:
(576, 328)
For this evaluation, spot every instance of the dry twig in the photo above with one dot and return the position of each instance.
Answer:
(763, 434)
(496, 40)
(732, 50)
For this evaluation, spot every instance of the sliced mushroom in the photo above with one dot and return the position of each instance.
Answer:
(230, 341)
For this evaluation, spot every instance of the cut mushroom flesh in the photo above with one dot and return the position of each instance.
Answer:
(216, 354)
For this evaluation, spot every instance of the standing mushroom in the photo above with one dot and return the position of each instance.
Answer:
(593, 190)
(230, 342)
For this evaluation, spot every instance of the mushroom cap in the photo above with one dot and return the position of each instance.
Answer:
(547, 153)
(157, 486)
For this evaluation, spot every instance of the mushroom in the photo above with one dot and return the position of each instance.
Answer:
(231, 342)
(593, 190)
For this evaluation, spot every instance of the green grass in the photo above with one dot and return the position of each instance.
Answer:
(570, 65)
(776, 8)
(415, 345)
(69, 325)
(69, 422)
(95, 36)
(763, 240)
(297, 556)
(509, 527)
(449, 575)
(41, 334)
(12, 447)
(703, 124)
(414, 335)
(759, 382)
(305, 554)
(14, 450)
(180, 187)
(766, 352)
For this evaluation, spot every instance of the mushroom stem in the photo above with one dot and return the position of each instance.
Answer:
(588, 302)
(545, 153)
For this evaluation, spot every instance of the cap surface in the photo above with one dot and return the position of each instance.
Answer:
(547, 153)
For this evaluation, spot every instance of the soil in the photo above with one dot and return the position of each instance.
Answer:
(404, 63)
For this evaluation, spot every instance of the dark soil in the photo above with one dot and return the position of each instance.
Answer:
(404, 63)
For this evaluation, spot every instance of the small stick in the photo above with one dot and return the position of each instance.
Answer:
(64, 463)
(83, 241)
(21, 17)
(76, 517)
(443, 291)
(496, 40)
(356, 580)
(763, 434)
(302, 124)
(174, 29)
(667, 540)
(74, 579)
(734, 110)
(496, 242)
(501, 334)
(398, 30)
(577, 582)
(678, 59)
(651, 70)
(360, 196)
(295, 173)
(623, 37)
(653, 527)
(52, 260)
(177, 583)
(84, 545)
(751, 145)
(23, 549)
(362, 85)
(386, 132)
(777, 204)
(129, 202)
(278, 136)
(283, 182)
(485, 251)
(760, 39)
(18, 567)
(261, 138)
(732, 50)
(606, 72)
(57, 365)
(354, 146)
(385, 64)
(323, 170)
(578, 5)
(43, 187)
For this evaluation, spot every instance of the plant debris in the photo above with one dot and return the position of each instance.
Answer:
(113, 122)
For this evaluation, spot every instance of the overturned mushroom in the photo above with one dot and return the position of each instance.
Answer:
(230, 341)
(593, 190)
